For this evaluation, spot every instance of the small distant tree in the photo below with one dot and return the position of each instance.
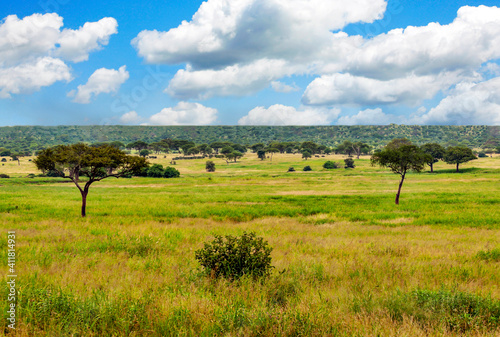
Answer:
(360, 148)
(306, 154)
(401, 158)
(307, 168)
(330, 165)
(171, 172)
(349, 163)
(261, 154)
(210, 166)
(458, 155)
(144, 153)
(436, 151)
(272, 150)
(95, 163)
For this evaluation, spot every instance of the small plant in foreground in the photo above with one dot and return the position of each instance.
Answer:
(493, 255)
(234, 257)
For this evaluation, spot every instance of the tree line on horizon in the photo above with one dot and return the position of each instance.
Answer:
(29, 139)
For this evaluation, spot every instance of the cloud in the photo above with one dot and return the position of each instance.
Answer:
(101, 81)
(75, 45)
(232, 80)
(369, 117)
(185, 113)
(468, 104)
(130, 117)
(33, 50)
(286, 115)
(346, 89)
(228, 40)
(283, 88)
(32, 76)
(226, 32)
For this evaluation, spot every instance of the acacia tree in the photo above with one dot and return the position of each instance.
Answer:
(458, 155)
(401, 159)
(360, 147)
(95, 163)
(436, 151)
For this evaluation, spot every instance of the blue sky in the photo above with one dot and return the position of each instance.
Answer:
(249, 62)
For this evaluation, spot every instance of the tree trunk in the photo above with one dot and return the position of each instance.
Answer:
(432, 167)
(399, 189)
(84, 203)
(457, 167)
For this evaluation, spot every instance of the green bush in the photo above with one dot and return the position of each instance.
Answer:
(234, 257)
(489, 255)
(171, 172)
(330, 165)
(4, 160)
(210, 166)
(482, 155)
(307, 168)
(4, 176)
(349, 163)
(156, 171)
(291, 169)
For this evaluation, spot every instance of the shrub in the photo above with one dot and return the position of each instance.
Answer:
(330, 165)
(482, 155)
(210, 166)
(307, 168)
(349, 163)
(291, 169)
(155, 171)
(4, 176)
(171, 172)
(489, 255)
(236, 256)
(4, 160)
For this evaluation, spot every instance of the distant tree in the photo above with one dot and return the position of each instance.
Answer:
(261, 154)
(138, 145)
(233, 156)
(157, 147)
(458, 155)
(398, 142)
(497, 149)
(401, 157)
(330, 165)
(257, 147)
(73, 161)
(155, 171)
(360, 148)
(311, 147)
(210, 166)
(226, 150)
(307, 168)
(170, 172)
(306, 154)
(216, 146)
(436, 151)
(144, 153)
(192, 151)
(349, 163)
(345, 148)
(239, 148)
(272, 150)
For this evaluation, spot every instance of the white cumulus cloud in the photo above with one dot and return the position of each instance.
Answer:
(33, 50)
(286, 115)
(101, 81)
(32, 76)
(130, 117)
(283, 87)
(185, 113)
(369, 117)
(468, 104)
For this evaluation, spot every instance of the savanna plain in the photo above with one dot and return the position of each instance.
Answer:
(347, 260)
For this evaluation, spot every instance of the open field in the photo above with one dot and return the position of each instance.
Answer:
(348, 262)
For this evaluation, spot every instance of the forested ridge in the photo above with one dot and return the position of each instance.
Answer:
(32, 138)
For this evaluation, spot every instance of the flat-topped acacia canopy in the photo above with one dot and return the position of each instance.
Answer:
(95, 163)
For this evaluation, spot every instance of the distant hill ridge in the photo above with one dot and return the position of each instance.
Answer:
(19, 138)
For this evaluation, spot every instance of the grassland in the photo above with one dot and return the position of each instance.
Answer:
(348, 262)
